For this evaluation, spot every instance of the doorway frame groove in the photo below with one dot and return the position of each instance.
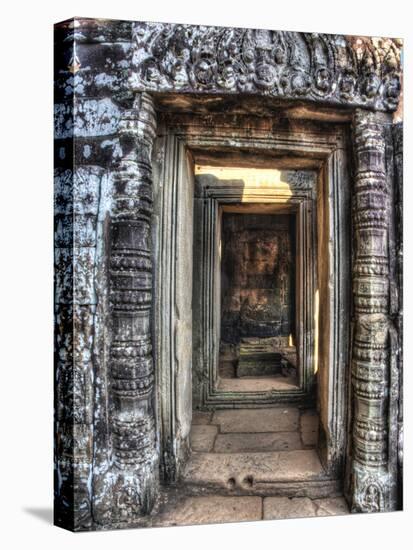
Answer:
(327, 154)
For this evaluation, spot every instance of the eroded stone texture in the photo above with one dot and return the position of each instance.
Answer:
(103, 58)
(91, 186)
(398, 390)
(177, 508)
(330, 68)
(133, 472)
(248, 471)
(210, 509)
(203, 437)
(257, 420)
(373, 476)
(82, 201)
(247, 442)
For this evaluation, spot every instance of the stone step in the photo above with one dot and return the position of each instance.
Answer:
(178, 509)
(196, 510)
(287, 473)
(264, 364)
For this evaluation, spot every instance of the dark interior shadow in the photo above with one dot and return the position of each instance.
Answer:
(44, 514)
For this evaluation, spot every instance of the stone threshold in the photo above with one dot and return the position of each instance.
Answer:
(177, 508)
(269, 473)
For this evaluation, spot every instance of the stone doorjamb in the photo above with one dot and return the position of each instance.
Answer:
(324, 153)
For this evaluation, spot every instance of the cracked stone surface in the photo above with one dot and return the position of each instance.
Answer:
(331, 506)
(284, 507)
(250, 465)
(180, 509)
(257, 452)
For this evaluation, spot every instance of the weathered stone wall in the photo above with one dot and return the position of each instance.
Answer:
(86, 145)
(94, 163)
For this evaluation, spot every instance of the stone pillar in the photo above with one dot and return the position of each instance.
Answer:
(131, 373)
(372, 483)
(398, 169)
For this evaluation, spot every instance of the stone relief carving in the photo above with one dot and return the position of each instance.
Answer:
(398, 390)
(77, 194)
(331, 68)
(371, 343)
(131, 367)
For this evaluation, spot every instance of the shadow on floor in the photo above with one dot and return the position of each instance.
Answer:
(44, 514)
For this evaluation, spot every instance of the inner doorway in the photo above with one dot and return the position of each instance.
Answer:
(258, 314)
(255, 423)
(255, 316)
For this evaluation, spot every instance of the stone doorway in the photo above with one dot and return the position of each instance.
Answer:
(141, 109)
(257, 337)
(248, 437)
(269, 312)
(258, 241)
(236, 235)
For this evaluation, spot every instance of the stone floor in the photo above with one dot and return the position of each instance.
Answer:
(198, 510)
(258, 383)
(249, 465)
(254, 430)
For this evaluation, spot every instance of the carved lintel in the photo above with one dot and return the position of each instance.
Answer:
(373, 486)
(333, 69)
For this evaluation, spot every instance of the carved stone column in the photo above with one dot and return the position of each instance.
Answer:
(372, 485)
(398, 187)
(132, 417)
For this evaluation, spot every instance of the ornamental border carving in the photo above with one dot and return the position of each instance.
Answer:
(332, 69)
(373, 375)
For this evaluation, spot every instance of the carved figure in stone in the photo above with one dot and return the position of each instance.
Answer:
(372, 498)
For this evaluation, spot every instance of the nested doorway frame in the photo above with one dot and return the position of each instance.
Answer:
(182, 142)
(295, 192)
